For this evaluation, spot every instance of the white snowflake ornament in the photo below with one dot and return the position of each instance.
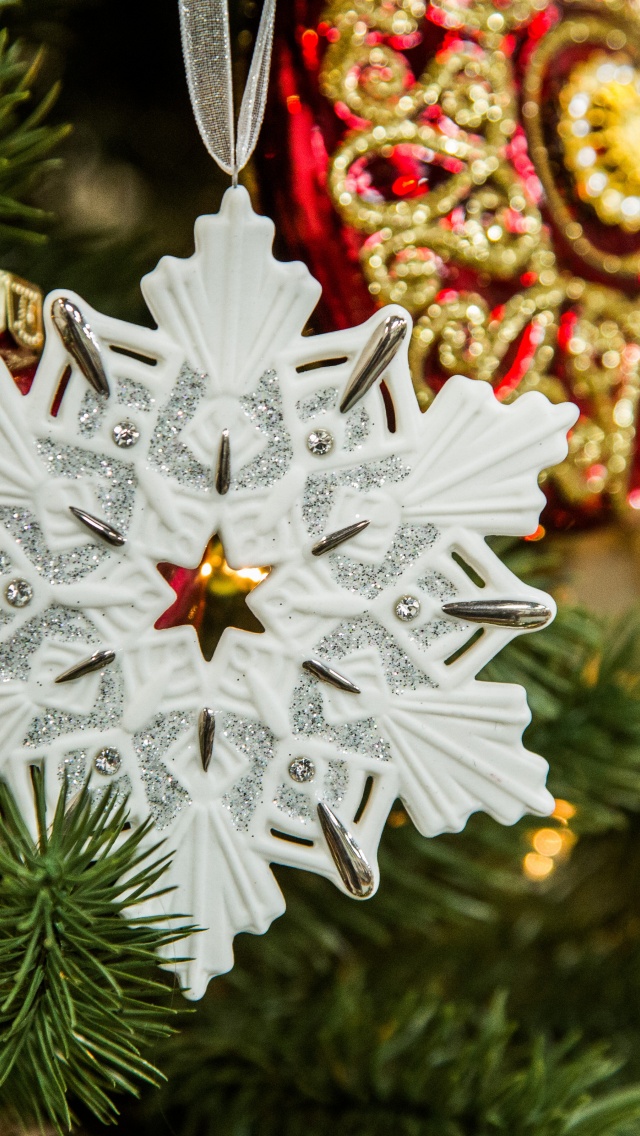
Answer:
(307, 454)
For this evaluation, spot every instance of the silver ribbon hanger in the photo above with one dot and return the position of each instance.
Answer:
(206, 44)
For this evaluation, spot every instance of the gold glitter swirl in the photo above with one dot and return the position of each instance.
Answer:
(483, 16)
(600, 131)
(594, 31)
(430, 179)
(373, 82)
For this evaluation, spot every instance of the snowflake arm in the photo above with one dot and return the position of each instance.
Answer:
(382, 604)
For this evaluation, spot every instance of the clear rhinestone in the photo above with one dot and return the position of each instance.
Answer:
(302, 769)
(320, 442)
(108, 761)
(407, 608)
(19, 593)
(125, 434)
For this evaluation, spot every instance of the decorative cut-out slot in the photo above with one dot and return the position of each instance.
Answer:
(366, 796)
(389, 408)
(319, 363)
(475, 638)
(470, 571)
(60, 392)
(291, 839)
(137, 355)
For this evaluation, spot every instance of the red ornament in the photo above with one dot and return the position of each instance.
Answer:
(415, 154)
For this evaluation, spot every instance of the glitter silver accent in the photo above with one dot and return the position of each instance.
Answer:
(336, 782)
(125, 434)
(119, 790)
(116, 481)
(256, 742)
(365, 631)
(52, 723)
(19, 593)
(134, 395)
(167, 452)
(91, 413)
(57, 623)
(75, 766)
(6, 564)
(407, 608)
(55, 567)
(308, 720)
(302, 770)
(369, 580)
(358, 428)
(264, 409)
(293, 804)
(166, 797)
(437, 585)
(425, 636)
(107, 761)
(320, 443)
(320, 488)
(318, 403)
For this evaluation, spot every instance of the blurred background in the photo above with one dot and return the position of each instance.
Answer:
(493, 984)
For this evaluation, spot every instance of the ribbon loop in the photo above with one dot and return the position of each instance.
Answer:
(206, 44)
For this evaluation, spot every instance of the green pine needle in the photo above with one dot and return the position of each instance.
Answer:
(26, 145)
(78, 998)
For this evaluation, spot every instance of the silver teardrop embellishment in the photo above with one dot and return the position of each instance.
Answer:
(206, 735)
(81, 343)
(327, 674)
(374, 360)
(87, 666)
(334, 539)
(353, 867)
(98, 527)
(501, 613)
(223, 468)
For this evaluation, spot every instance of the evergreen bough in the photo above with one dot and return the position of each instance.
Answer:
(26, 142)
(79, 1000)
(464, 999)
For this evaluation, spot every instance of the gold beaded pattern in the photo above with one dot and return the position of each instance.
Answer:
(480, 210)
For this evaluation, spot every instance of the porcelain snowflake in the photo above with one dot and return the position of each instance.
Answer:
(304, 453)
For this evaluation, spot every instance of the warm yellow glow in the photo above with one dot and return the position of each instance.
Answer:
(222, 577)
(564, 810)
(537, 867)
(397, 818)
(568, 838)
(547, 841)
(256, 575)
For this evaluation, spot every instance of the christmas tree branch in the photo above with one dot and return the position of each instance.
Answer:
(367, 1018)
(78, 998)
(26, 144)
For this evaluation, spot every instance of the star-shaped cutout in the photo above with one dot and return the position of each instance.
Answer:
(211, 597)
